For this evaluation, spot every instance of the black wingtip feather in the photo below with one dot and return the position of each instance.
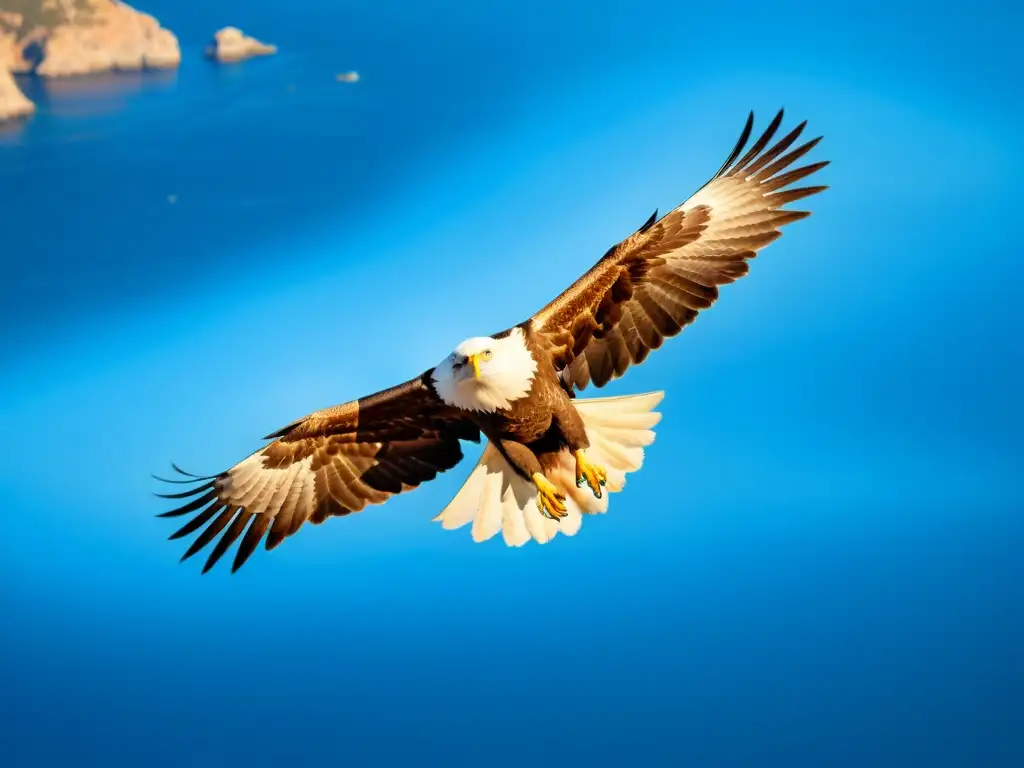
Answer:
(757, 165)
(198, 521)
(227, 539)
(173, 482)
(189, 477)
(792, 195)
(181, 471)
(285, 429)
(740, 144)
(650, 222)
(776, 165)
(761, 143)
(192, 506)
(188, 493)
(210, 532)
(783, 180)
(251, 540)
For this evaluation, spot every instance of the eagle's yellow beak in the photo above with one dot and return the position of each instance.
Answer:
(475, 360)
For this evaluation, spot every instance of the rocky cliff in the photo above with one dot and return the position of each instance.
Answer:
(13, 103)
(59, 38)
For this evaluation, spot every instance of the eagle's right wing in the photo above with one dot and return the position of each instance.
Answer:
(652, 284)
(332, 462)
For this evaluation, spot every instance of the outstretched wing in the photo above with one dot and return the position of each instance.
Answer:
(332, 462)
(652, 284)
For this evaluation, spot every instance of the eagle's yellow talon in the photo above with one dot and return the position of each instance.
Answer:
(593, 475)
(550, 501)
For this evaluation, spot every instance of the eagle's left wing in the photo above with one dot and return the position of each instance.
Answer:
(652, 284)
(332, 462)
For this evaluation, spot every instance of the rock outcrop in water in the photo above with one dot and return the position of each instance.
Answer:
(60, 38)
(13, 103)
(231, 44)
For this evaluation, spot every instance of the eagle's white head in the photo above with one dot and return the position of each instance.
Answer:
(486, 374)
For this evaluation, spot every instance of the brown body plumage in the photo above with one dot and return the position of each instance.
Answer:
(645, 289)
(535, 429)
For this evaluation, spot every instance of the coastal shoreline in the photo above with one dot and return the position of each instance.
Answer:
(72, 39)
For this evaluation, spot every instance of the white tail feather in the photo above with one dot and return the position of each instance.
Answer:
(495, 498)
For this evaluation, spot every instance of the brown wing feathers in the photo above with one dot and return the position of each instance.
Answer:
(655, 282)
(333, 462)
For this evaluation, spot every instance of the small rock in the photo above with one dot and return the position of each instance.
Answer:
(231, 44)
(347, 77)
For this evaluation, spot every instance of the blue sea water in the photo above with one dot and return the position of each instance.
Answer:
(819, 564)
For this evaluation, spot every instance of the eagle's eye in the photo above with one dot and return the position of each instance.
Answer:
(486, 355)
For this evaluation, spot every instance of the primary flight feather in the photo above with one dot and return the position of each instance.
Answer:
(550, 457)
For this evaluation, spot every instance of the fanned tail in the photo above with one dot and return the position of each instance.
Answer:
(495, 498)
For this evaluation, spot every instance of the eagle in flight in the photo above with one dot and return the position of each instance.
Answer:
(550, 457)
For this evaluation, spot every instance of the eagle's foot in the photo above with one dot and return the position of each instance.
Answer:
(550, 501)
(591, 474)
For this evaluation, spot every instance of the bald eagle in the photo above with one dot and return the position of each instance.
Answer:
(550, 457)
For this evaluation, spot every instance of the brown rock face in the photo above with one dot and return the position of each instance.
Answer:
(231, 44)
(13, 103)
(58, 38)
(10, 53)
(10, 22)
(114, 36)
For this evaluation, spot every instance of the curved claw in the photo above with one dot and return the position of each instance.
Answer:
(550, 501)
(594, 476)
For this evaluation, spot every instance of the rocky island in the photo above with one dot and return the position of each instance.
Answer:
(62, 38)
(231, 44)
